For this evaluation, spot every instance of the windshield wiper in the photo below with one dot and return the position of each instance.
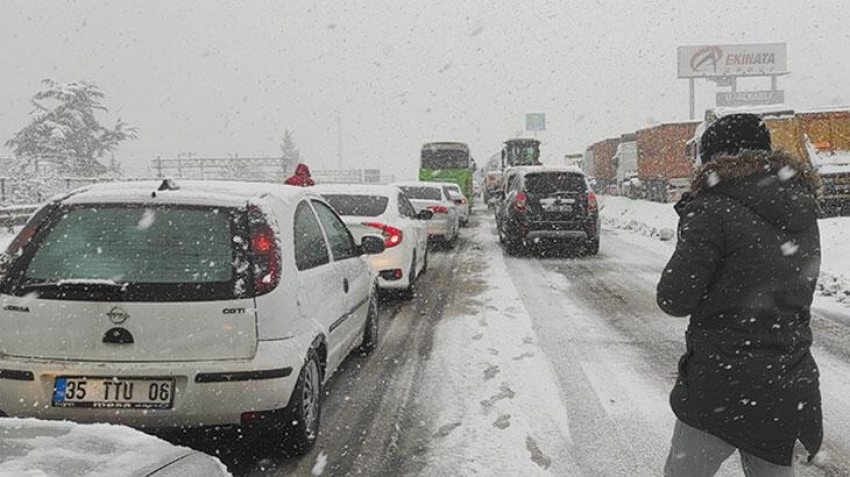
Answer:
(76, 284)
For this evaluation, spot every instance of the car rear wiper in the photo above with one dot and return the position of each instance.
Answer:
(76, 284)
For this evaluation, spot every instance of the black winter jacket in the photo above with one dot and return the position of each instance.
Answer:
(745, 269)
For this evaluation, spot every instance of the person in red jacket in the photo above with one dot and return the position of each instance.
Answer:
(301, 177)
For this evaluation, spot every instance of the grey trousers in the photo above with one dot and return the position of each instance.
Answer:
(695, 453)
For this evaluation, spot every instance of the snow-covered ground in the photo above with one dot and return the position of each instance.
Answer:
(650, 218)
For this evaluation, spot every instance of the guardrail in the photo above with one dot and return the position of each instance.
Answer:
(15, 216)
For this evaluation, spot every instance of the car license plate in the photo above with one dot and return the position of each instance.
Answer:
(119, 393)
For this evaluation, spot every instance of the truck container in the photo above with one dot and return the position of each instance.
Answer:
(587, 164)
(664, 171)
(625, 160)
(603, 163)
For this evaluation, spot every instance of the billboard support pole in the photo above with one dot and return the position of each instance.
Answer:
(693, 106)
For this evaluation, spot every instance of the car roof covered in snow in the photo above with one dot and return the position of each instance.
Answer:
(193, 192)
(357, 189)
(545, 169)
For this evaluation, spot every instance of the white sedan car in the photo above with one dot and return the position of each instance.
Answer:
(432, 196)
(385, 210)
(459, 199)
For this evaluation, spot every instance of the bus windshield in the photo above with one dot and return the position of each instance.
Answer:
(444, 159)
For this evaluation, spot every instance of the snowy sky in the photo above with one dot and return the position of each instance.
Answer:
(227, 77)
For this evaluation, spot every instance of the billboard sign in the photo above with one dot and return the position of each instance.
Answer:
(707, 61)
(750, 98)
(535, 122)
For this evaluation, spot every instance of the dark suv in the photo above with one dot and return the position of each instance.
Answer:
(543, 204)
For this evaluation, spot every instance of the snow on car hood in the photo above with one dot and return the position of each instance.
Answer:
(37, 447)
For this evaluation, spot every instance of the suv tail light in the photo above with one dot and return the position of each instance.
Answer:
(392, 236)
(592, 206)
(438, 209)
(265, 252)
(520, 203)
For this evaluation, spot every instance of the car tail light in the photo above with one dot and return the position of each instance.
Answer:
(265, 252)
(438, 209)
(392, 236)
(592, 206)
(520, 203)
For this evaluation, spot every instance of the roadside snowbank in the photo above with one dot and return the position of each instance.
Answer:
(650, 218)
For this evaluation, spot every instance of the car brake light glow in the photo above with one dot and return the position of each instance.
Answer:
(592, 206)
(265, 252)
(520, 201)
(438, 209)
(392, 236)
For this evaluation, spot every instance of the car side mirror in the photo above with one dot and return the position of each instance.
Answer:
(425, 214)
(372, 245)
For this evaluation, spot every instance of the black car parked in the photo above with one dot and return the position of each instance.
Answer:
(547, 204)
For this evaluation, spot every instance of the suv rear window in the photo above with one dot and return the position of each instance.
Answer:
(131, 252)
(549, 183)
(422, 193)
(360, 205)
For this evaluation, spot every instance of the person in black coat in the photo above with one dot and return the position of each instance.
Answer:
(745, 268)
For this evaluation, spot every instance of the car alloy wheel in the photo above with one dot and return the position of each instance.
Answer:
(310, 396)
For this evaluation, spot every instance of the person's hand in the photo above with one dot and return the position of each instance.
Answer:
(683, 202)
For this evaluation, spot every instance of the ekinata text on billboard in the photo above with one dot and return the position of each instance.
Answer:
(759, 59)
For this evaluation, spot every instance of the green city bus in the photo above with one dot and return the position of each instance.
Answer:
(447, 162)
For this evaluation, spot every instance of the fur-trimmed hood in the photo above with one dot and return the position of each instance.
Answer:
(777, 186)
(747, 163)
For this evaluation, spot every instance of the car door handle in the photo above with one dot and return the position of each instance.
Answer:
(345, 285)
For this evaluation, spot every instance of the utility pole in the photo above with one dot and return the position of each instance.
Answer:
(339, 141)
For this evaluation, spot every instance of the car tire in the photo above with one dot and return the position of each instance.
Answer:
(513, 245)
(592, 246)
(371, 330)
(424, 262)
(300, 423)
(411, 287)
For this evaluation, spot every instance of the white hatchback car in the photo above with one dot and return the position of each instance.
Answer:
(183, 305)
(445, 223)
(385, 210)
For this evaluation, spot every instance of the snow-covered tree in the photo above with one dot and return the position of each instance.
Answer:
(65, 131)
(289, 154)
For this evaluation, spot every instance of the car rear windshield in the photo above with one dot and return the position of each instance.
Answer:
(360, 205)
(157, 253)
(422, 193)
(453, 193)
(550, 183)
